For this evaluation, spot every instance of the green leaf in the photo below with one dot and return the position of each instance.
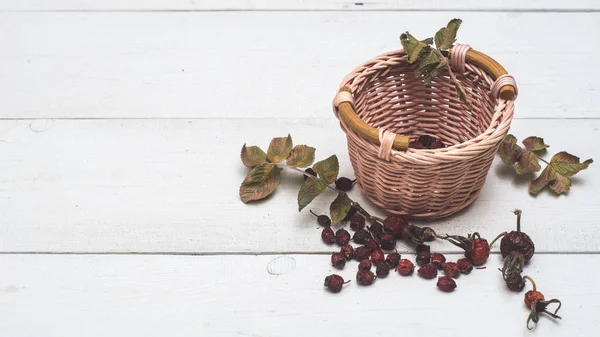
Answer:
(301, 156)
(428, 41)
(260, 182)
(253, 155)
(446, 36)
(528, 163)
(509, 150)
(279, 149)
(309, 190)
(412, 47)
(534, 143)
(540, 182)
(462, 94)
(568, 164)
(433, 73)
(340, 207)
(328, 169)
(430, 62)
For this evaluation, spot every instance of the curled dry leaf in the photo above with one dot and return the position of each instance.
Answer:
(445, 37)
(509, 150)
(562, 166)
(328, 169)
(279, 149)
(309, 190)
(413, 47)
(534, 144)
(301, 156)
(253, 155)
(340, 207)
(260, 182)
(528, 163)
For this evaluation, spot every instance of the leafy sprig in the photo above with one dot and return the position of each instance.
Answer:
(526, 160)
(265, 176)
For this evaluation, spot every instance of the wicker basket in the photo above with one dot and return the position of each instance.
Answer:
(382, 106)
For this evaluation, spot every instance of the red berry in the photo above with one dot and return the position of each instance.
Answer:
(446, 283)
(365, 277)
(423, 258)
(428, 271)
(372, 245)
(514, 281)
(422, 248)
(357, 222)
(480, 252)
(405, 267)
(343, 184)
(382, 270)
(395, 225)
(464, 266)
(361, 253)
(519, 242)
(377, 257)
(376, 228)
(437, 144)
(451, 269)
(437, 259)
(322, 220)
(361, 236)
(426, 140)
(350, 214)
(338, 260)
(531, 297)
(342, 237)
(327, 235)
(364, 265)
(387, 241)
(334, 283)
(393, 259)
(415, 144)
(347, 251)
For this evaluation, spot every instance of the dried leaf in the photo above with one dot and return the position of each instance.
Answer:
(446, 36)
(433, 73)
(462, 94)
(260, 182)
(528, 163)
(567, 164)
(534, 143)
(328, 169)
(301, 156)
(253, 155)
(428, 41)
(412, 47)
(540, 182)
(509, 150)
(430, 62)
(561, 184)
(340, 207)
(309, 190)
(279, 149)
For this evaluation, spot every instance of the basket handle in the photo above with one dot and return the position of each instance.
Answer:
(347, 113)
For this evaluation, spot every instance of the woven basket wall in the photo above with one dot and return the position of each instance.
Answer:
(421, 183)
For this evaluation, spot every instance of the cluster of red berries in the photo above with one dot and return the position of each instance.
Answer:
(426, 142)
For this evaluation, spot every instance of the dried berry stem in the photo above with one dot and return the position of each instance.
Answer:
(308, 175)
(313, 213)
(497, 237)
(518, 213)
(530, 280)
(542, 159)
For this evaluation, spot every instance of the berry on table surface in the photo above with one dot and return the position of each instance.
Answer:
(464, 266)
(322, 220)
(357, 222)
(344, 184)
(387, 241)
(382, 270)
(338, 260)
(361, 253)
(428, 271)
(365, 277)
(437, 259)
(446, 283)
(328, 236)
(377, 257)
(364, 264)
(347, 251)
(396, 226)
(450, 269)
(405, 267)
(334, 283)
(392, 260)
(342, 237)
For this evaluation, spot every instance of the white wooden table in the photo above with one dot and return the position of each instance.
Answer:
(121, 124)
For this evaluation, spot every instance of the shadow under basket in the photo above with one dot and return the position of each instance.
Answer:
(382, 106)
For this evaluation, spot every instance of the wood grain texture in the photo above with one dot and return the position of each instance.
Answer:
(251, 5)
(63, 296)
(172, 186)
(265, 64)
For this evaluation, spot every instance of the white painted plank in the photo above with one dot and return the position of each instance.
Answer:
(264, 64)
(172, 186)
(251, 5)
(63, 296)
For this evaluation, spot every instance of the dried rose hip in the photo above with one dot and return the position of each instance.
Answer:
(387, 241)
(365, 277)
(364, 265)
(516, 241)
(426, 140)
(347, 251)
(446, 283)
(327, 235)
(477, 249)
(437, 259)
(344, 184)
(382, 270)
(322, 220)
(350, 214)
(464, 266)
(334, 283)
(361, 236)
(377, 257)
(535, 301)
(393, 259)
(376, 228)
(357, 222)
(415, 144)
(311, 172)
(422, 248)
(396, 226)
(405, 267)
(428, 271)
(372, 245)
(511, 271)
(338, 260)
(437, 144)
(342, 237)
(423, 258)
(451, 269)
(531, 297)
(361, 253)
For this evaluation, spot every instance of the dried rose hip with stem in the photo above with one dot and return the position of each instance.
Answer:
(322, 220)
(477, 249)
(535, 301)
(511, 271)
(334, 283)
(516, 241)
